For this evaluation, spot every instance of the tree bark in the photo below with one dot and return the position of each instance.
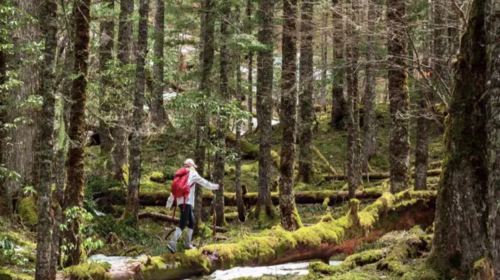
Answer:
(43, 248)
(338, 100)
(369, 133)
(106, 48)
(132, 205)
(306, 92)
(493, 128)
(458, 242)
(220, 155)
(206, 63)
(5, 207)
(250, 67)
(289, 216)
(265, 71)
(158, 115)
(353, 144)
(324, 59)
(399, 96)
(422, 148)
(77, 128)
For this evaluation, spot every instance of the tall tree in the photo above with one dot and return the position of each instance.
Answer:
(306, 73)
(493, 128)
(324, 58)
(132, 204)
(106, 48)
(222, 127)
(158, 116)
(77, 127)
(422, 145)
(206, 63)
(44, 240)
(249, 29)
(118, 131)
(399, 96)
(369, 135)
(338, 101)
(265, 102)
(353, 144)
(288, 118)
(5, 209)
(458, 243)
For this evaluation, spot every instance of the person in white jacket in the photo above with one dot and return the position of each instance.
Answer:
(187, 214)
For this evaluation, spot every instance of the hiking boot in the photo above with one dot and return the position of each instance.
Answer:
(190, 246)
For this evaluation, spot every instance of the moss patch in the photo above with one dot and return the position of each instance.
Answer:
(28, 212)
(88, 271)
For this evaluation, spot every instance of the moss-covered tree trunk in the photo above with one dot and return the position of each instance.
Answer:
(222, 122)
(44, 240)
(399, 97)
(119, 157)
(306, 78)
(132, 204)
(288, 115)
(77, 128)
(353, 141)
(461, 218)
(206, 62)
(265, 101)
(106, 49)
(369, 129)
(338, 101)
(158, 115)
(493, 128)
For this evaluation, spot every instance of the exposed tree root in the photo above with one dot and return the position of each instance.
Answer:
(276, 246)
(170, 219)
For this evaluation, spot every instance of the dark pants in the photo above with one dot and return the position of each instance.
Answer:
(187, 216)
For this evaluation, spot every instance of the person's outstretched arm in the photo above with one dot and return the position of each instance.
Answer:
(197, 179)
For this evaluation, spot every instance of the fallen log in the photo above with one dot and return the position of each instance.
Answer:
(377, 176)
(320, 241)
(170, 219)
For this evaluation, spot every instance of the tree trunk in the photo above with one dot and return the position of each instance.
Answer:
(324, 59)
(118, 131)
(458, 241)
(206, 63)
(289, 216)
(250, 67)
(5, 207)
(77, 128)
(440, 45)
(220, 155)
(338, 100)
(306, 110)
(44, 228)
(106, 48)
(399, 96)
(369, 145)
(493, 128)
(265, 71)
(132, 205)
(158, 116)
(422, 149)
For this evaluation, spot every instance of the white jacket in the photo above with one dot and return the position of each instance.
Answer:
(193, 179)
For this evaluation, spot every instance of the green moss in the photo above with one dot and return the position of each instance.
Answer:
(88, 271)
(28, 212)
(157, 176)
(479, 265)
(423, 272)
(6, 274)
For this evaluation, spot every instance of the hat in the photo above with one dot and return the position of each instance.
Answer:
(190, 162)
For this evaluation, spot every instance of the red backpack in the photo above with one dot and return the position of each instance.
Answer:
(180, 186)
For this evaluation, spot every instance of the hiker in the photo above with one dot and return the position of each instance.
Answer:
(183, 192)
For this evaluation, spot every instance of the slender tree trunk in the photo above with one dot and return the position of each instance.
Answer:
(132, 204)
(440, 44)
(459, 242)
(118, 131)
(422, 149)
(493, 129)
(158, 115)
(399, 96)
(43, 250)
(106, 48)
(289, 217)
(324, 59)
(5, 207)
(250, 67)
(206, 63)
(338, 100)
(220, 155)
(369, 145)
(306, 91)
(77, 128)
(353, 144)
(265, 102)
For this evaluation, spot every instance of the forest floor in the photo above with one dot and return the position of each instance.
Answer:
(390, 257)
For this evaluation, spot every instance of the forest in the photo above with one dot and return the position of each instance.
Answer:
(311, 139)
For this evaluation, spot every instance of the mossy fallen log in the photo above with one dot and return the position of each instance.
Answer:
(277, 246)
(250, 199)
(377, 176)
(167, 218)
